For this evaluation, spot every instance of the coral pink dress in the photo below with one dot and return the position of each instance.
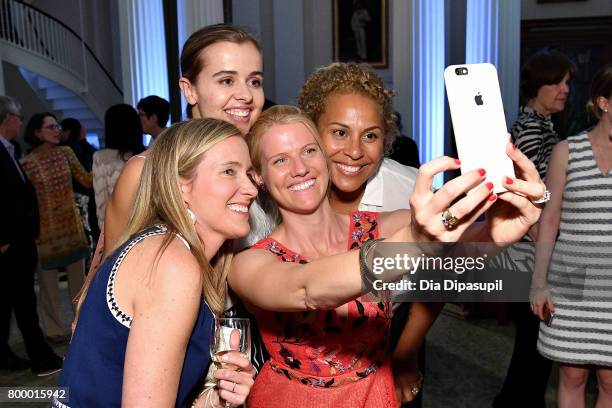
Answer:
(326, 358)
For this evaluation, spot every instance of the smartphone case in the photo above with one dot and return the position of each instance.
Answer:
(479, 122)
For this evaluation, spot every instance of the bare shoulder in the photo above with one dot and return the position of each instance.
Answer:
(247, 262)
(251, 258)
(391, 221)
(170, 269)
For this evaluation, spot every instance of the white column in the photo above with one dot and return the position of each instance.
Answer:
(402, 62)
(288, 50)
(509, 57)
(494, 35)
(418, 73)
(143, 49)
(195, 14)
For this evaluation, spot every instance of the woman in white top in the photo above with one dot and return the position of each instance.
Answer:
(123, 139)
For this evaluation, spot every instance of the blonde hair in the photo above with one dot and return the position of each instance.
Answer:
(175, 155)
(277, 115)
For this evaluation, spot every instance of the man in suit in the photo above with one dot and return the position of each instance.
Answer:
(19, 227)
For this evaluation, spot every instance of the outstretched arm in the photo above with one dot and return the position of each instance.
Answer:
(325, 283)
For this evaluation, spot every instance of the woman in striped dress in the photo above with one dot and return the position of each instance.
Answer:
(573, 281)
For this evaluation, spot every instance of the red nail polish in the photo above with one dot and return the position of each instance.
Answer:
(457, 161)
(509, 180)
(482, 172)
(492, 197)
(489, 185)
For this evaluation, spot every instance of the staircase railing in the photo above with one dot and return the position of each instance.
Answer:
(33, 31)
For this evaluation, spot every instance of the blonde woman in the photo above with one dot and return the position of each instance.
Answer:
(328, 347)
(145, 320)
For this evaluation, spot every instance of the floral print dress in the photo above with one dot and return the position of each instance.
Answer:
(326, 358)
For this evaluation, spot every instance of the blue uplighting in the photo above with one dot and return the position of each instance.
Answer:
(428, 79)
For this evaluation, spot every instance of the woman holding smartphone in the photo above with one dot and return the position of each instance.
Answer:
(353, 112)
(328, 349)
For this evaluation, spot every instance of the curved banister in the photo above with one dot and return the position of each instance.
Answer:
(9, 32)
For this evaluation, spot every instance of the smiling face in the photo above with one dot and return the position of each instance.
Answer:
(352, 129)
(221, 191)
(294, 168)
(49, 133)
(551, 98)
(230, 85)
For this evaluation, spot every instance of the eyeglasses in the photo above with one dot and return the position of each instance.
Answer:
(52, 127)
(17, 115)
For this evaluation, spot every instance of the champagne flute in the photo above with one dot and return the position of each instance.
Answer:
(230, 334)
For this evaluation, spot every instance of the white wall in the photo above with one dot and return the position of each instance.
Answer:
(532, 10)
(99, 29)
(296, 36)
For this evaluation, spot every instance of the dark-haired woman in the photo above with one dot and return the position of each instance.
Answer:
(123, 139)
(545, 86)
(62, 243)
(222, 78)
(73, 135)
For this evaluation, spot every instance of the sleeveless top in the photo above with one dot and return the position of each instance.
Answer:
(93, 368)
(316, 355)
(580, 272)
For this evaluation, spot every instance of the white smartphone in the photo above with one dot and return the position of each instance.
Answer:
(479, 122)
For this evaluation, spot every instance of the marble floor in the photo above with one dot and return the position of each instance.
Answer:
(466, 362)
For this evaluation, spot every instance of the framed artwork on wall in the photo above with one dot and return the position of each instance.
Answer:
(585, 41)
(361, 31)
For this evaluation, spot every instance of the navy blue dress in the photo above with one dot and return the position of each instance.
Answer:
(93, 368)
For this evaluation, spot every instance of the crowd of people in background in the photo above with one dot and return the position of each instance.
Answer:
(166, 236)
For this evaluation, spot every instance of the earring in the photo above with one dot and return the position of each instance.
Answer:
(191, 215)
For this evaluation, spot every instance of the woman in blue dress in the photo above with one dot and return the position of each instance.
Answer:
(145, 321)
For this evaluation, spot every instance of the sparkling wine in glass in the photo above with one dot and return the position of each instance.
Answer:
(230, 334)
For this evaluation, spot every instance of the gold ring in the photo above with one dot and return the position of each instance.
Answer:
(449, 220)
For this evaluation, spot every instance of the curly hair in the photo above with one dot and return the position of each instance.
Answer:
(340, 77)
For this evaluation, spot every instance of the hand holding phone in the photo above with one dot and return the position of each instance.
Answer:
(479, 122)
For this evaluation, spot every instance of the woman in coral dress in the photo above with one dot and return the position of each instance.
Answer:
(328, 346)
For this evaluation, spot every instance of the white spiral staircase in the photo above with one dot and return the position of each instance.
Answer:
(59, 66)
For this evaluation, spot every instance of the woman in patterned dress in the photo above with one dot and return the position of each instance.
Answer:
(62, 243)
(573, 281)
(327, 347)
